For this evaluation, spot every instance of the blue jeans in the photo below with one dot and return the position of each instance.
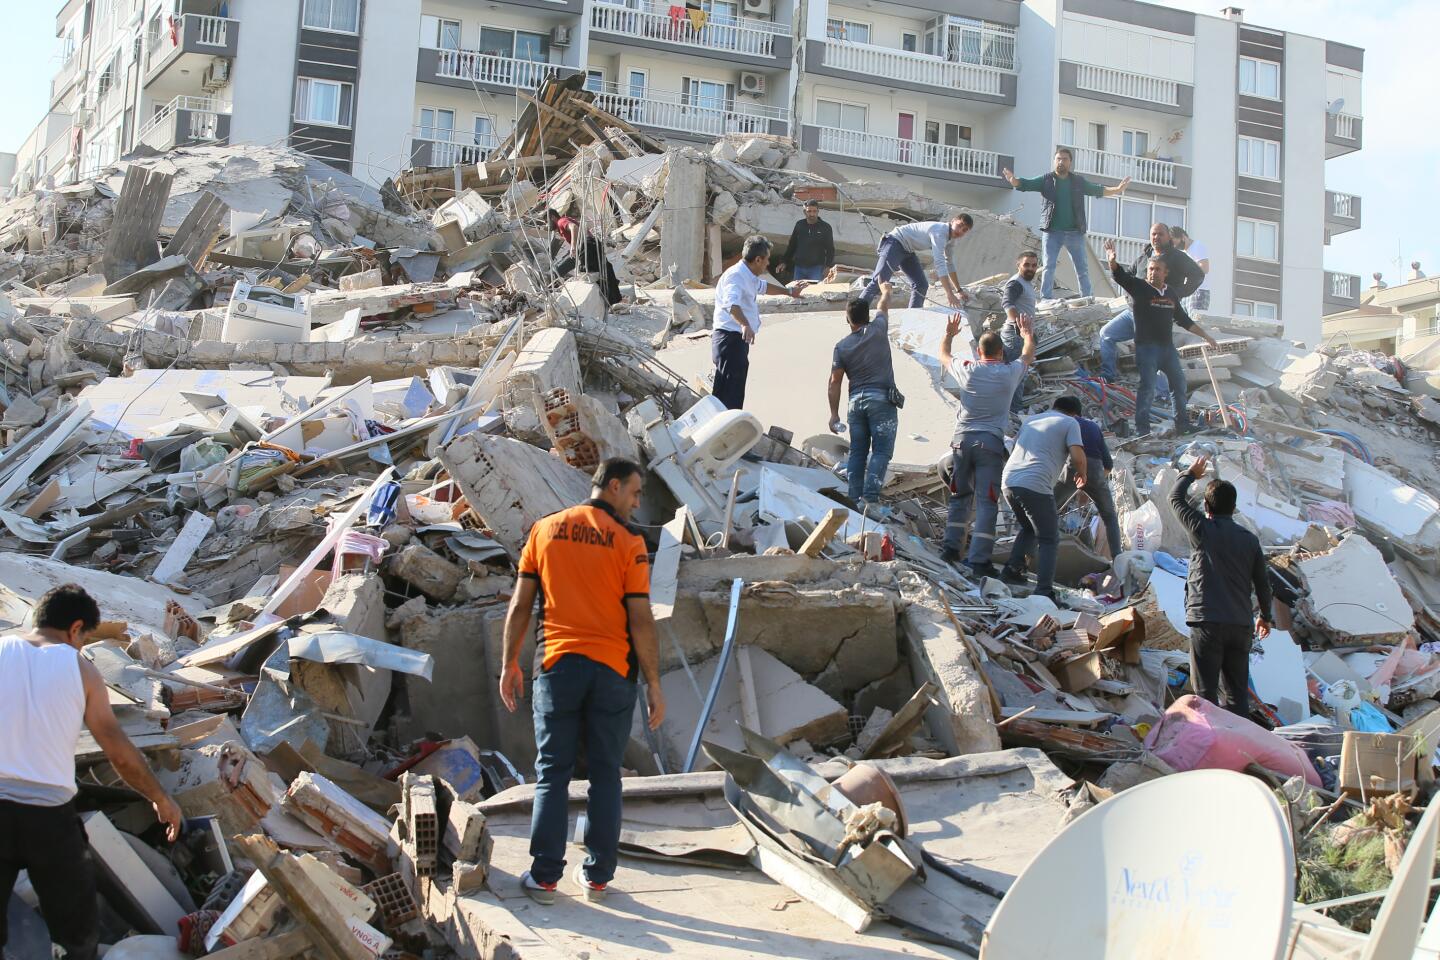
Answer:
(816, 272)
(1119, 330)
(1074, 241)
(1014, 346)
(1039, 531)
(977, 464)
(874, 421)
(1153, 358)
(894, 256)
(578, 694)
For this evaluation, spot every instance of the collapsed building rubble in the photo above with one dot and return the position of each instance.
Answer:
(292, 433)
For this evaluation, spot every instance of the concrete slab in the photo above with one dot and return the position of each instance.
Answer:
(24, 579)
(511, 484)
(964, 722)
(1377, 613)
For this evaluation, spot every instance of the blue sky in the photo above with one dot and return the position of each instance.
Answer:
(1397, 173)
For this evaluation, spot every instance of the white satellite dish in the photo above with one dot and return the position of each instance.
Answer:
(1336, 106)
(1192, 866)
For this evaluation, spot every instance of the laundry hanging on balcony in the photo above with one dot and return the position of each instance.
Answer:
(697, 16)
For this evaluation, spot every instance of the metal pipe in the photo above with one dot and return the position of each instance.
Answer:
(725, 653)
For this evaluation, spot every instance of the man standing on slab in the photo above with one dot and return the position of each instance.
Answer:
(1062, 217)
(873, 415)
(48, 692)
(900, 249)
(811, 251)
(737, 319)
(1226, 565)
(1182, 274)
(1029, 481)
(591, 572)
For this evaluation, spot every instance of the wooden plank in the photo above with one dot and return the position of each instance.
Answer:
(291, 943)
(199, 231)
(1077, 718)
(821, 536)
(905, 722)
(323, 924)
(119, 861)
(182, 549)
(132, 242)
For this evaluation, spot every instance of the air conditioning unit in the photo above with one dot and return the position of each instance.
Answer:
(560, 36)
(753, 84)
(216, 75)
(760, 8)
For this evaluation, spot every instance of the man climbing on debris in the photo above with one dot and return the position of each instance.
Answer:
(589, 255)
(1184, 276)
(1097, 487)
(737, 318)
(1226, 565)
(811, 251)
(591, 572)
(977, 457)
(1157, 310)
(1062, 216)
(48, 692)
(874, 410)
(900, 248)
(1029, 481)
(1018, 300)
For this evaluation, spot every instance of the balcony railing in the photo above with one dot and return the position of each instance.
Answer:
(1127, 249)
(207, 31)
(1342, 285)
(1123, 83)
(439, 147)
(1342, 205)
(931, 156)
(1118, 166)
(186, 120)
(477, 67)
(1345, 126)
(692, 114)
(873, 61)
(654, 21)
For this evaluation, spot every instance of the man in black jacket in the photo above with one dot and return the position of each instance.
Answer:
(1226, 565)
(812, 246)
(1062, 215)
(1184, 275)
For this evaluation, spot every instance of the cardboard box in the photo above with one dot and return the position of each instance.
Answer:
(1382, 762)
(1077, 673)
(1122, 634)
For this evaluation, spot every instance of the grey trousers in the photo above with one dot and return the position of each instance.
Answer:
(1097, 488)
(976, 466)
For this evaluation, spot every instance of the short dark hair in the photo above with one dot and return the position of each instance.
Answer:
(1160, 260)
(61, 606)
(1220, 498)
(1067, 151)
(966, 219)
(857, 311)
(1066, 403)
(1178, 231)
(755, 247)
(812, 202)
(991, 346)
(1026, 255)
(615, 468)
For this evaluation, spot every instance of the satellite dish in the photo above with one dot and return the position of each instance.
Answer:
(1336, 106)
(1151, 873)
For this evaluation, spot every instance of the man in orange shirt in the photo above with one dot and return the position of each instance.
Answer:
(591, 572)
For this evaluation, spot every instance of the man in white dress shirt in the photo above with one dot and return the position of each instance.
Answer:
(737, 319)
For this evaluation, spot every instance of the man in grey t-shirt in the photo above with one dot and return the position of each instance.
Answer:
(1029, 482)
(978, 447)
(864, 357)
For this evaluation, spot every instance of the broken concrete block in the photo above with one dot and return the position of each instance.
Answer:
(549, 360)
(964, 722)
(511, 484)
(788, 708)
(466, 836)
(221, 780)
(579, 301)
(584, 432)
(1377, 614)
(427, 571)
(422, 822)
(364, 280)
(350, 825)
(125, 874)
(468, 877)
(682, 218)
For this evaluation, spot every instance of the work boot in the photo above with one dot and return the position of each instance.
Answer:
(1012, 576)
(979, 571)
(594, 892)
(541, 893)
(951, 557)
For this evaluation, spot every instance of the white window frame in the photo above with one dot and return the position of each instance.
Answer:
(1253, 308)
(1101, 142)
(1256, 67)
(1067, 141)
(912, 36)
(1254, 226)
(597, 77)
(845, 27)
(475, 129)
(1118, 204)
(1269, 151)
(433, 127)
(1134, 135)
(331, 28)
(343, 121)
(630, 75)
(841, 106)
(440, 24)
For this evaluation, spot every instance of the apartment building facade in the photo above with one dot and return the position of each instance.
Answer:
(1222, 125)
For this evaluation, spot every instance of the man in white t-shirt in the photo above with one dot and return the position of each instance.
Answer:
(737, 319)
(1199, 300)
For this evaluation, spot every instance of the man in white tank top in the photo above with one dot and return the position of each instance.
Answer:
(48, 691)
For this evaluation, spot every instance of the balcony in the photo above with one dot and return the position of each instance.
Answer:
(1342, 292)
(64, 78)
(191, 44)
(867, 63)
(1342, 212)
(736, 40)
(1109, 85)
(185, 121)
(937, 160)
(468, 68)
(1127, 249)
(1344, 133)
(1157, 176)
(438, 147)
(691, 116)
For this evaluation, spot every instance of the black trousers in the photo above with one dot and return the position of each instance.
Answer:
(592, 259)
(1222, 650)
(50, 843)
(732, 367)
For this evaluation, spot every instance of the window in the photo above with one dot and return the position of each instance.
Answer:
(1259, 158)
(1097, 136)
(484, 130)
(1104, 216)
(638, 81)
(1135, 218)
(497, 43)
(1257, 239)
(340, 16)
(844, 116)
(851, 30)
(706, 94)
(1067, 131)
(448, 35)
(67, 47)
(107, 77)
(1260, 78)
(1172, 215)
(534, 47)
(909, 42)
(932, 131)
(1256, 308)
(437, 124)
(324, 101)
(1117, 217)
(1134, 143)
(595, 81)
